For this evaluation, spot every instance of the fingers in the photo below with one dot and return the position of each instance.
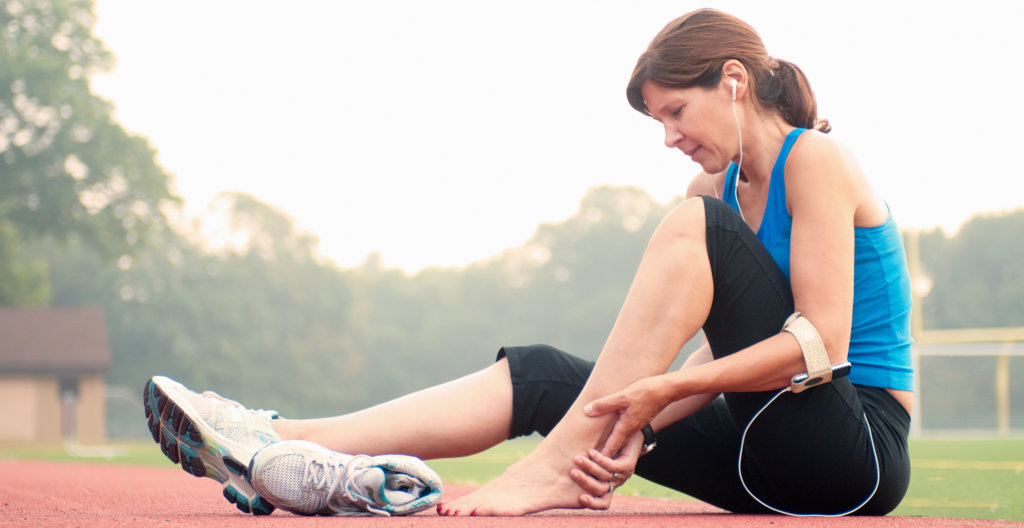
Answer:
(610, 465)
(601, 406)
(594, 469)
(620, 434)
(618, 470)
(595, 487)
(595, 408)
(596, 503)
(594, 474)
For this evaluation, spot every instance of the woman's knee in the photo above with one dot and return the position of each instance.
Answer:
(680, 238)
(685, 220)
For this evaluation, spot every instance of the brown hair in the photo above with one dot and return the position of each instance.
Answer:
(692, 50)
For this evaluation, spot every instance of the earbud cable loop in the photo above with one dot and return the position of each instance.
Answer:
(739, 467)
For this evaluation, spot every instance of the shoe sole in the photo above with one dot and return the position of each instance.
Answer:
(201, 451)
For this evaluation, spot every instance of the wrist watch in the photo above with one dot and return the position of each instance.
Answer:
(650, 441)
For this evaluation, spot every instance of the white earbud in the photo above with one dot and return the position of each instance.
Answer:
(732, 82)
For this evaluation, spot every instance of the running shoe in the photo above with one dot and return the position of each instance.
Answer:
(309, 479)
(210, 436)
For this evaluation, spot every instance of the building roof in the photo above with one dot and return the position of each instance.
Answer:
(59, 341)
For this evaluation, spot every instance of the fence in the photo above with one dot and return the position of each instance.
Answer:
(965, 382)
(960, 385)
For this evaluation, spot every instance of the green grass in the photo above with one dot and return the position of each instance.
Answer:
(979, 479)
(131, 454)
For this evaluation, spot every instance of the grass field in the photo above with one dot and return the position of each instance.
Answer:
(979, 479)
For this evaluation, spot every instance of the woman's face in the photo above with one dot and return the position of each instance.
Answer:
(698, 121)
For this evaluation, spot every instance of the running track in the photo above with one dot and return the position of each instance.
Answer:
(48, 494)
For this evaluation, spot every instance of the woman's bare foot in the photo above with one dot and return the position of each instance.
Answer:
(536, 483)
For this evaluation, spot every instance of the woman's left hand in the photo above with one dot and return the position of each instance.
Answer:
(599, 475)
(637, 405)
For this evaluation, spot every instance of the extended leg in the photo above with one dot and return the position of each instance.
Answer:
(667, 303)
(458, 418)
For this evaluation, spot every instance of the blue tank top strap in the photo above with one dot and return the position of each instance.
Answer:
(729, 187)
(777, 187)
(777, 190)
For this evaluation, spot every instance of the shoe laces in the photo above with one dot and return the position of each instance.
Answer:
(317, 475)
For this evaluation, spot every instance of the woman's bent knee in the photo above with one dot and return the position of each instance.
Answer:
(685, 220)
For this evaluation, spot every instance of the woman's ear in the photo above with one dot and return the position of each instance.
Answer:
(734, 79)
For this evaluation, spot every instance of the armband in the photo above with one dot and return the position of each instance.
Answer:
(819, 367)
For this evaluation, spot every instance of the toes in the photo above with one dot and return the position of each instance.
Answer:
(446, 510)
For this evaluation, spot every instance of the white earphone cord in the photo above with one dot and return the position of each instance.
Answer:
(739, 468)
(742, 439)
(739, 166)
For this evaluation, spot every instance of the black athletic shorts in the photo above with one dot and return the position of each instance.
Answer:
(806, 453)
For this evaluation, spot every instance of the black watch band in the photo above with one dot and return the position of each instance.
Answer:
(650, 441)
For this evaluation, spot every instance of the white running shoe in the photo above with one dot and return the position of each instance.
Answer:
(309, 479)
(210, 436)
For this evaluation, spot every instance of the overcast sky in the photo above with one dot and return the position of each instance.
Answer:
(442, 132)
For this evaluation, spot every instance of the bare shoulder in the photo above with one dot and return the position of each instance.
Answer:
(706, 184)
(818, 161)
(821, 165)
(820, 152)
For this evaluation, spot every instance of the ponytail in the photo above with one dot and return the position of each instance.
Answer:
(786, 89)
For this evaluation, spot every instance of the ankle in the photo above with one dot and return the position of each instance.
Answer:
(286, 429)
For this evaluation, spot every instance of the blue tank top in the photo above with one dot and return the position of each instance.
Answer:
(880, 335)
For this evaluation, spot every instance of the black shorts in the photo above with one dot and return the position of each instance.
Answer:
(806, 453)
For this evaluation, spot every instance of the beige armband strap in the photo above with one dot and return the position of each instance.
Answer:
(819, 367)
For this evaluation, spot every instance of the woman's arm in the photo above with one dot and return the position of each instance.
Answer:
(823, 191)
(679, 409)
(766, 365)
(822, 194)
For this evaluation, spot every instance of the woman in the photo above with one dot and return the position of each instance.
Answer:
(780, 220)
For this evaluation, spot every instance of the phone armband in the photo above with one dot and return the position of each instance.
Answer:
(819, 367)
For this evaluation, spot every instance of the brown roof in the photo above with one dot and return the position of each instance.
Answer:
(53, 341)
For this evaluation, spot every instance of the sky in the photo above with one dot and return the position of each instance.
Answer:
(440, 133)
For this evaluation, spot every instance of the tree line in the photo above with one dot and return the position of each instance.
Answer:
(87, 218)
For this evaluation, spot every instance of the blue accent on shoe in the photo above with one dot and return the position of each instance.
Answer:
(183, 442)
(261, 507)
(237, 499)
(235, 467)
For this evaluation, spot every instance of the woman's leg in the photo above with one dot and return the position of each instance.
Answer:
(807, 452)
(667, 303)
(457, 418)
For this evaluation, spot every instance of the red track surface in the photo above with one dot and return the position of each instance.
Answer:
(45, 494)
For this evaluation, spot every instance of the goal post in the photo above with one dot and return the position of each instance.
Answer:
(999, 343)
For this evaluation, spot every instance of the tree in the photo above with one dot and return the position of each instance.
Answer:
(978, 277)
(68, 169)
(23, 281)
(249, 225)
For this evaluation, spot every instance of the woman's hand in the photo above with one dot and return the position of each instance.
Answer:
(637, 405)
(599, 475)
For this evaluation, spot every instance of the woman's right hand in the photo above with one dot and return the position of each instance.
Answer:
(634, 406)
